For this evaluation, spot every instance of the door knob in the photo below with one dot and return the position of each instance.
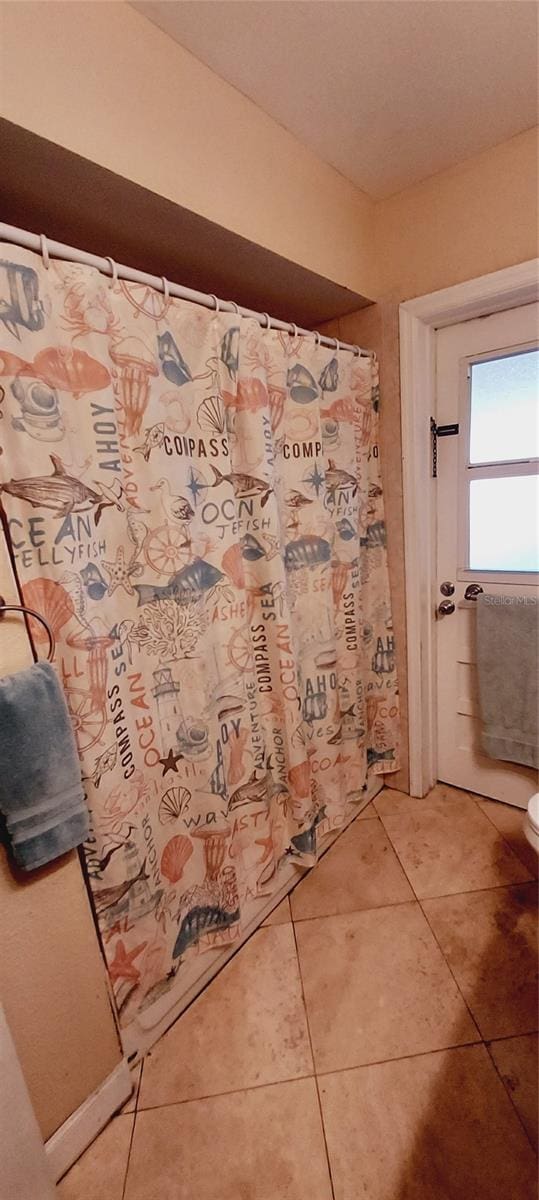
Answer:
(472, 591)
(446, 608)
(447, 588)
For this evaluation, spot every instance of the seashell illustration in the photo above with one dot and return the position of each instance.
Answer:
(232, 565)
(301, 384)
(251, 549)
(173, 366)
(176, 854)
(52, 601)
(230, 347)
(70, 370)
(11, 364)
(329, 379)
(211, 415)
(307, 551)
(346, 529)
(172, 804)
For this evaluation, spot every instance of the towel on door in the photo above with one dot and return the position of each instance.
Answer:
(507, 635)
(41, 794)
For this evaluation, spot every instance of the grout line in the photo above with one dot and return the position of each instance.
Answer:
(503, 836)
(128, 1159)
(508, 1092)
(252, 1087)
(306, 1011)
(380, 1062)
(350, 911)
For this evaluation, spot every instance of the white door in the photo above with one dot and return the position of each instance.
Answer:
(487, 521)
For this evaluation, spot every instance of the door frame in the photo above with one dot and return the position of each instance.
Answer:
(418, 321)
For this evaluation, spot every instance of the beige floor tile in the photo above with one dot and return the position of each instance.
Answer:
(280, 915)
(510, 822)
(391, 803)
(264, 1144)
(367, 813)
(247, 1028)
(100, 1173)
(489, 939)
(377, 987)
(452, 848)
(360, 871)
(436, 1127)
(516, 1060)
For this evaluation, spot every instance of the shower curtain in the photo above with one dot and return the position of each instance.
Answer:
(195, 506)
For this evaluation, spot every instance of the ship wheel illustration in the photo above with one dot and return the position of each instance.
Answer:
(146, 300)
(167, 548)
(89, 723)
(239, 649)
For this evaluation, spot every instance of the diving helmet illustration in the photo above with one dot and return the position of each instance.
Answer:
(40, 412)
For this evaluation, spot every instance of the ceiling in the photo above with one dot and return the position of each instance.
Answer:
(386, 91)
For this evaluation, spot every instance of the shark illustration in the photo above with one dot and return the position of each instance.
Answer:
(61, 492)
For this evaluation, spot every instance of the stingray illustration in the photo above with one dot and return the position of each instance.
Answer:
(244, 485)
(61, 492)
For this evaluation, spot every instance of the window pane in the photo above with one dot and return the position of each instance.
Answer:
(504, 421)
(504, 524)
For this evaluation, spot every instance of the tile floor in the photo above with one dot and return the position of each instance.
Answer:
(376, 1039)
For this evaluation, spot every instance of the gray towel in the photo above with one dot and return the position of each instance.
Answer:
(41, 795)
(507, 666)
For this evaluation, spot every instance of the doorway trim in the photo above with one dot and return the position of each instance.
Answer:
(418, 321)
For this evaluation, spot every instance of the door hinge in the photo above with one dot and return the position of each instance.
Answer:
(437, 431)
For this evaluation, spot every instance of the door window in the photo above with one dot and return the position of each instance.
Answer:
(501, 520)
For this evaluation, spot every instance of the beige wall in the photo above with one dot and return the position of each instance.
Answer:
(52, 977)
(468, 221)
(100, 80)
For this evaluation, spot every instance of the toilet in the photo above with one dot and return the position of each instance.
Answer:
(531, 822)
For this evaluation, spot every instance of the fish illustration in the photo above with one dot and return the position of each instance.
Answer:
(60, 492)
(207, 918)
(108, 897)
(173, 365)
(305, 842)
(104, 762)
(244, 485)
(255, 791)
(155, 436)
(193, 579)
(337, 478)
(297, 500)
(93, 581)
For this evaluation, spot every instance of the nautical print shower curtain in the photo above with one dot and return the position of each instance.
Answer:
(195, 506)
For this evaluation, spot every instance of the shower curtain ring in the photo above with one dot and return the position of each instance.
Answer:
(268, 320)
(357, 351)
(293, 330)
(337, 345)
(45, 251)
(113, 271)
(235, 307)
(166, 289)
(317, 338)
(216, 302)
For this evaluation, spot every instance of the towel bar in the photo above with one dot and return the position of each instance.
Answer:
(4, 608)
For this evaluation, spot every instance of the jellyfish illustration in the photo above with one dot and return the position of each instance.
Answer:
(50, 599)
(173, 366)
(135, 367)
(214, 841)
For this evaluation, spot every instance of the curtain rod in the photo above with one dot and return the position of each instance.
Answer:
(46, 247)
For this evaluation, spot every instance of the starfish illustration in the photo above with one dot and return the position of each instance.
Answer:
(122, 965)
(169, 762)
(120, 572)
